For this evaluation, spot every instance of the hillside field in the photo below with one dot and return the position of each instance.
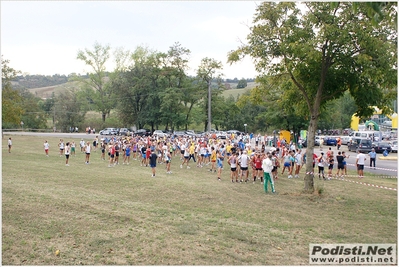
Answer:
(46, 92)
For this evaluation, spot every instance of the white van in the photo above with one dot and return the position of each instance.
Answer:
(371, 135)
(345, 139)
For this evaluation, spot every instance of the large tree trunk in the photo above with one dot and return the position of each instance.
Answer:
(103, 115)
(309, 177)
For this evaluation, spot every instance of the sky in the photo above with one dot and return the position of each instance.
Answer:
(44, 37)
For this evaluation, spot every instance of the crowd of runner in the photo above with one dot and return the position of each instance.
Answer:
(248, 159)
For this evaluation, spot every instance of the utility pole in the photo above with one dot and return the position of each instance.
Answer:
(209, 105)
(54, 117)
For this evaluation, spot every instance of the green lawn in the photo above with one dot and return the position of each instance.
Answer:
(95, 215)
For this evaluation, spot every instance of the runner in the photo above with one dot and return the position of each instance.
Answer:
(46, 146)
(232, 161)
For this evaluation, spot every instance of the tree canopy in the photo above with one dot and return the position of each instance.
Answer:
(11, 102)
(318, 51)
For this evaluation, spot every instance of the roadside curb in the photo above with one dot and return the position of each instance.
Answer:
(388, 158)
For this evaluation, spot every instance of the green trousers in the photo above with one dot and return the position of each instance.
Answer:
(268, 178)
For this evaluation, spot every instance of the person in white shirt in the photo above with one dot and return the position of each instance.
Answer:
(46, 146)
(267, 166)
(61, 146)
(298, 162)
(232, 161)
(67, 152)
(243, 161)
(321, 162)
(82, 145)
(87, 150)
(360, 159)
(9, 145)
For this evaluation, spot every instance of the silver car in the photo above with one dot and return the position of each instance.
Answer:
(160, 134)
(394, 146)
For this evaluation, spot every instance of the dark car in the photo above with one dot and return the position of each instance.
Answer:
(124, 131)
(143, 132)
(330, 141)
(380, 147)
(363, 145)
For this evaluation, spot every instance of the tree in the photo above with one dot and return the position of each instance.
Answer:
(11, 102)
(98, 81)
(68, 111)
(34, 117)
(242, 83)
(326, 51)
(173, 79)
(137, 89)
(207, 71)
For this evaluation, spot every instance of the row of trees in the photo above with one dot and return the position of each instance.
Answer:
(36, 81)
(171, 107)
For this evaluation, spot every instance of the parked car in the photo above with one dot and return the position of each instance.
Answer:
(235, 132)
(394, 146)
(160, 134)
(345, 140)
(179, 134)
(143, 132)
(330, 141)
(363, 145)
(221, 135)
(124, 131)
(380, 147)
(316, 142)
(191, 133)
(109, 131)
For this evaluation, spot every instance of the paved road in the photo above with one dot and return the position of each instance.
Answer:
(384, 165)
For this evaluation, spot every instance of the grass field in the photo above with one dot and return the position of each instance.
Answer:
(235, 92)
(95, 215)
(46, 92)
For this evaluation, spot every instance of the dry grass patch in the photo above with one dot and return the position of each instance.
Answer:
(98, 215)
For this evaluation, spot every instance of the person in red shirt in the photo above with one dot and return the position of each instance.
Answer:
(147, 155)
(257, 167)
(111, 150)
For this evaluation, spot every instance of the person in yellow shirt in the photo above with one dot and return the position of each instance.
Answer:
(213, 159)
(192, 151)
(228, 149)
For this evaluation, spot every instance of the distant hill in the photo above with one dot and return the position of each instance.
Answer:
(46, 92)
(235, 92)
(35, 81)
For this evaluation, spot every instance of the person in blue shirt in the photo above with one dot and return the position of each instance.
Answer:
(241, 144)
(373, 156)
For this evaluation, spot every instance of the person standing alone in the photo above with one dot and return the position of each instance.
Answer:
(9, 145)
(46, 146)
(360, 159)
(87, 150)
(67, 152)
(373, 157)
(153, 162)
